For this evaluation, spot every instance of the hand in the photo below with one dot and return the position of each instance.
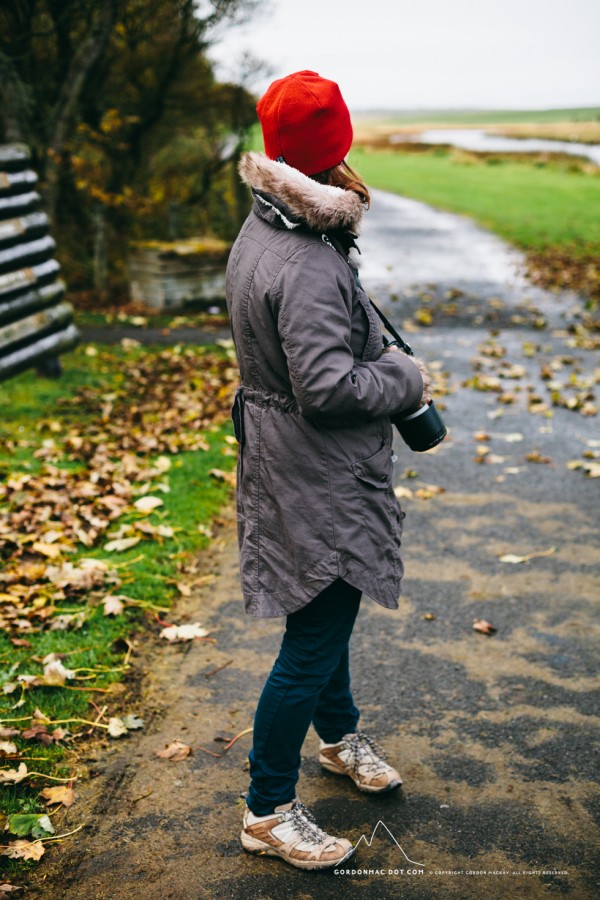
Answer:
(421, 366)
(426, 376)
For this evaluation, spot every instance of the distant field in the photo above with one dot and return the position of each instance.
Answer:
(549, 207)
(533, 206)
(551, 211)
(475, 116)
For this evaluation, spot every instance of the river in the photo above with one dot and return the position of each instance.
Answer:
(479, 140)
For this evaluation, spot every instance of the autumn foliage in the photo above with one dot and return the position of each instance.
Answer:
(132, 134)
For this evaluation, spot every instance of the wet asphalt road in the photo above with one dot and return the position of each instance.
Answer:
(495, 736)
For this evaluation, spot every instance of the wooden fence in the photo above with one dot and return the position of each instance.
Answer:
(36, 323)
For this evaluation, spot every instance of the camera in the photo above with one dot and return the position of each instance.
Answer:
(421, 428)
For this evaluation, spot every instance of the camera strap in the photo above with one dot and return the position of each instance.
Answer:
(334, 242)
(400, 341)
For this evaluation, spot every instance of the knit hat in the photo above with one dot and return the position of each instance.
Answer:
(305, 122)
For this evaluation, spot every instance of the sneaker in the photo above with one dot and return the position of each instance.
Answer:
(292, 833)
(359, 757)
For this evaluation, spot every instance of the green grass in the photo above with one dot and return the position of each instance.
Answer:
(477, 116)
(533, 206)
(32, 409)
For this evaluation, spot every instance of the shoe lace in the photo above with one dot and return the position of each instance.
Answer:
(304, 822)
(366, 751)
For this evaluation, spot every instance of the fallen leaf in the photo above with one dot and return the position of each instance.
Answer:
(536, 457)
(36, 824)
(513, 437)
(113, 605)
(8, 731)
(184, 632)
(56, 674)
(23, 850)
(6, 889)
(116, 727)
(483, 626)
(220, 475)
(148, 504)
(511, 558)
(62, 793)
(175, 751)
(13, 776)
(402, 492)
(121, 544)
(429, 491)
(7, 748)
(52, 551)
(131, 721)
(429, 616)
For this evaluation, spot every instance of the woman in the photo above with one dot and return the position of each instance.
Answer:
(318, 521)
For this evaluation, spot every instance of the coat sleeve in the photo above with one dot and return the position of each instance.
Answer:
(314, 294)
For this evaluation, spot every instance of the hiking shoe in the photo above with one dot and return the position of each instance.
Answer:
(359, 757)
(292, 833)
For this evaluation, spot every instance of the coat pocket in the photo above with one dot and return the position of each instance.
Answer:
(376, 470)
(237, 416)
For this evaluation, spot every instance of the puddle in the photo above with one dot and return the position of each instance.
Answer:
(478, 140)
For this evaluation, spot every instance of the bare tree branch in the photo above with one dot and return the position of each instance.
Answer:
(66, 106)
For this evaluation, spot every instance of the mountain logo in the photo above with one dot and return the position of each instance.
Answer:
(369, 841)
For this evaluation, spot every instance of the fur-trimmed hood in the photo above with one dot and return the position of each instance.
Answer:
(321, 206)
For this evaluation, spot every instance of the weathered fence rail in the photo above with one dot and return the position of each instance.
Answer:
(36, 323)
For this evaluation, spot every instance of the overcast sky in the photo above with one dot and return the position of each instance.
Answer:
(397, 54)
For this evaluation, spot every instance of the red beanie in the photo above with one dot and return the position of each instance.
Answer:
(305, 120)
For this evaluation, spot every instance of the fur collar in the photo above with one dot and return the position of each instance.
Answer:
(321, 206)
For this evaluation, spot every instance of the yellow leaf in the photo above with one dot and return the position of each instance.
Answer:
(52, 551)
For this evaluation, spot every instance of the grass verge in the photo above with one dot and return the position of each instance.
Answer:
(77, 456)
(548, 210)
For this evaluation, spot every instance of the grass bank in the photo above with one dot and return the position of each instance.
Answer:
(110, 480)
(459, 117)
(549, 210)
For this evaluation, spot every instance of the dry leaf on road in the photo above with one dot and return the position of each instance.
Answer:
(116, 727)
(184, 632)
(175, 751)
(483, 626)
(512, 558)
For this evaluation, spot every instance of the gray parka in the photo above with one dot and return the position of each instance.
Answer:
(315, 499)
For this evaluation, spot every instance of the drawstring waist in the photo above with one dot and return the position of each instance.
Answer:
(284, 402)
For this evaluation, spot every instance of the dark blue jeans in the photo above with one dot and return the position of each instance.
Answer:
(310, 682)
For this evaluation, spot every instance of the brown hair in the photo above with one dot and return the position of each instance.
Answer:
(344, 176)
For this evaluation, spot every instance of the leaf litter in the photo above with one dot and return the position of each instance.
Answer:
(84, 477)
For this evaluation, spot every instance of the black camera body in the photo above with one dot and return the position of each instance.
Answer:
(421, 428)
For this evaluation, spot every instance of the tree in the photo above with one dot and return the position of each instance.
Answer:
(101, 90)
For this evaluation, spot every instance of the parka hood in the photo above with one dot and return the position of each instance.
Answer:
(322, 207)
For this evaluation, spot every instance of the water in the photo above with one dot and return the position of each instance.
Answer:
(477, 139)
